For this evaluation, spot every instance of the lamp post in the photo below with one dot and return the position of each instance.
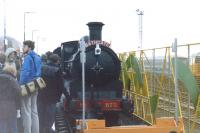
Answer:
(4, 23)
(83, 41)
(37, 39)
(33, 31)
(25, 23)
(37, 44)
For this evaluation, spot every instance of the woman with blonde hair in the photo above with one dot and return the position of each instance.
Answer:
(9, 100)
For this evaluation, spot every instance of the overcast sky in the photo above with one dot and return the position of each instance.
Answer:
(64, 20)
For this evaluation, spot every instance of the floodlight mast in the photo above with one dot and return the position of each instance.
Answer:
(140, 14)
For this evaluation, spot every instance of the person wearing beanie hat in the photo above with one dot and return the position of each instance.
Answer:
(13, 62)
(11, 55)
(12, 58)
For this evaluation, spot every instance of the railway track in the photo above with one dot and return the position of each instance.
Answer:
(167, 108)
(61, 123)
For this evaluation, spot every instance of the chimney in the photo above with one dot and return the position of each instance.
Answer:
(95, 29)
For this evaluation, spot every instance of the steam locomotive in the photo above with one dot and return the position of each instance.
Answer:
(103, 89)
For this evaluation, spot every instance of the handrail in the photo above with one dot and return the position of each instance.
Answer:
(147, 49)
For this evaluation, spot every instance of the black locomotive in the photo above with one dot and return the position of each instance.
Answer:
(102, 70)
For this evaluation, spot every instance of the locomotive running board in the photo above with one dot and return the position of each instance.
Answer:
(163, 125)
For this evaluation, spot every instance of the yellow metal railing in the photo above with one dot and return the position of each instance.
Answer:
(162, 84)
(140, 95)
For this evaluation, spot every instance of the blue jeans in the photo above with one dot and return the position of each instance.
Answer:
(8, 125)
(46, 114)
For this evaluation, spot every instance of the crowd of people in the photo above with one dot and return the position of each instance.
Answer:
(35, 112)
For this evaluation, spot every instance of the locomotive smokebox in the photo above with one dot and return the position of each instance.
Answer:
(95, 29)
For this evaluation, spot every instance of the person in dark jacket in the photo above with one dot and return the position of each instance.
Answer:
(9, 100)
(44, 59)
(49, 96)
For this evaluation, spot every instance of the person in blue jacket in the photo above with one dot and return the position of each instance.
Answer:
(31, 69)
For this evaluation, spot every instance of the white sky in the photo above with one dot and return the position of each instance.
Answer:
(64, 20)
